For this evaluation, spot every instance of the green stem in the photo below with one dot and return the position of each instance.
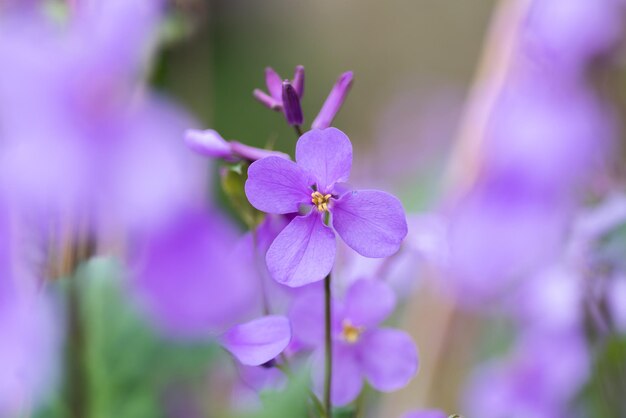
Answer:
(328, 348)
(77, 395)
(298, 130)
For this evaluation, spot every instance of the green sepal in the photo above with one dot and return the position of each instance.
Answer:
(233, 179)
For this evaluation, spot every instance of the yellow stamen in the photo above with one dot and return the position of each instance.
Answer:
(350, 333)
(320, 201)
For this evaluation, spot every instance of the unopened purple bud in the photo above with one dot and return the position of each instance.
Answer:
(266, 100)
(291, 105)
(208, 143)
(298, 81)
(334, 101)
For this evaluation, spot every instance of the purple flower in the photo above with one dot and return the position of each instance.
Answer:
(386, 357)
(284, 95)
(211, 144)
(571, 32)
(370, 222)
(334, 101)
(86, 150)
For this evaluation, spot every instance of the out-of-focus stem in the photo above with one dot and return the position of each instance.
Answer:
(82, 249)
(328, 345)
(75, 375)
(498, 56)
(495, 63)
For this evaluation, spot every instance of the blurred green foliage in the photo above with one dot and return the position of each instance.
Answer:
(128, 367)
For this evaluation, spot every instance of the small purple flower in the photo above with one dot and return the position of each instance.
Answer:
(211, 144)
(279, 99)
(286, 95)
(371, 222)
(386, 357)
(334, 101)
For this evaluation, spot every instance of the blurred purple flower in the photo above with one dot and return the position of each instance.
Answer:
(334, 101)
(547, 133)
(571, 32)
(499, 232)
(538, 380)
(386, 357)
(551, 300)
(86, 150)
(188, 277)
(29, 330)
(211, 144)
(259, 341)
(370, 222)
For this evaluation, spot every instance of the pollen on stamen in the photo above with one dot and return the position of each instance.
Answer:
(351, 333)
(320, 201)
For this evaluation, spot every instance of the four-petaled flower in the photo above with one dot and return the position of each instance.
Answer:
(386, 357)
(371, 222)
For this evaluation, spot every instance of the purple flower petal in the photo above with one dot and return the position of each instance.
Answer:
(274, 84)
(208, 143)
(253, 153)
(276, 185)
(371, 222)
(388, 358)
(267, 100)
(298, 81)
(333, 102)
(303, 253)
(369, 302)
(258, 341)
(347, 379)
(327, 154)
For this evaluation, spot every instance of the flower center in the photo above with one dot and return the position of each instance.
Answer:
(320, 201)
(350, 333)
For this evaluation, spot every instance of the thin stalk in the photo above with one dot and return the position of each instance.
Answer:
(298, 130)
(328, 348)
(260, 269)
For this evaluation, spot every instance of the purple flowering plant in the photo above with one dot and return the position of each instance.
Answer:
(314, 203)
(117, 252)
